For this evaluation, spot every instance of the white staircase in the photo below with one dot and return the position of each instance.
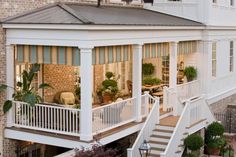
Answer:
(159, 139)
(167, 140)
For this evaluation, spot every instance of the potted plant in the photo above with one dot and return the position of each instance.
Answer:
(147, 69)
(193, 142)
(151, 81)
(109, 88)
(214, 139)
(24, 92)
(190, 72)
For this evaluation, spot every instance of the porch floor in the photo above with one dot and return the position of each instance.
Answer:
(169, 121)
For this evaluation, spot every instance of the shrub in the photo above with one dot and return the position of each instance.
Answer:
(215, 129)
(151, 81)
(214, 136)
(25, 91)
(216, 143)
(190, 72)
(148, 69)
(191, 155)
(193, 142)
(97, 151)
(109, 75)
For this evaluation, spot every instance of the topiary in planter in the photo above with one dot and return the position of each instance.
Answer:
(191, 73)
(193, 142)
(215, 129)
(214, 138)
(148, 69)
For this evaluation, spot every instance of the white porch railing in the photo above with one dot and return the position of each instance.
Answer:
(114, 115)
(189, 90)
(147, 103)
(47, 118)
(66, 120)
(194, 111)
(169, 98)
(148, 127)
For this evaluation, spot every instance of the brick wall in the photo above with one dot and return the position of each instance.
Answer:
(60, 77)
(10, 8)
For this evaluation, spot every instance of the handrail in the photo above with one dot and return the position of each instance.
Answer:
(113, 103)
(189, 90)
(187, 83)
(195, 110)
(110, 116)
(179, 124)
(149, 125)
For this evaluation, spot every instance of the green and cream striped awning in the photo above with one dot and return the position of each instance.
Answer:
(70, 55)
(187, 47)
(155, 50)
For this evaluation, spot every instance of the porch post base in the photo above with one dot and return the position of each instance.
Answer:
(86, 137)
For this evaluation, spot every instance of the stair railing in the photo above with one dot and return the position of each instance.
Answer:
(193, 112)
(148, 127)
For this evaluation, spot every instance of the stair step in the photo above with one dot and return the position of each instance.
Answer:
(158, 142)
(159, 138)
(157, 151)
(162, 127)
(163, 130)
(161, 133)
(154, 145)
(154, 155)
(179, 151)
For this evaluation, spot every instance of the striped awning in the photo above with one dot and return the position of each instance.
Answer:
(187, 47)
(47, 55)
(112, 54)
(70, 55)
(155, 50)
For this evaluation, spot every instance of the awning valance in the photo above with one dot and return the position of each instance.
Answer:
(187, 47)
(70, 55)
(155, 50)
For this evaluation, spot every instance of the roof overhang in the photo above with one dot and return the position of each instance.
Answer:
(98, 27)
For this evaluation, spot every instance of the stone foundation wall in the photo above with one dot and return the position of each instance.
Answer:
(221, 106)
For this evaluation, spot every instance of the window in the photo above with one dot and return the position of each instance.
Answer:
(175, 0)
(231, 2)
(214, 59)
(214, 1)
(231, 56)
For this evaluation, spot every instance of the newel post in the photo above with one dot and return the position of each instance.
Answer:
(10, 82)
(187, 104)
(165, 98)
(146, 94)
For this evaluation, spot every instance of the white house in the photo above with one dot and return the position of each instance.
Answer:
(83, 41)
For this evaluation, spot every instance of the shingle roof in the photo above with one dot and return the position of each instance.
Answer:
(103, 15)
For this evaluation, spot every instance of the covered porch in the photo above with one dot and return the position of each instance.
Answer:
(62, 67)
(75, 57)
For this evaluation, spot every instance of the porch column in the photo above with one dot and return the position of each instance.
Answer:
(173, 75)
(137, 79)
(173, 65)
(86, 94)
(10, 81)
(206, 66)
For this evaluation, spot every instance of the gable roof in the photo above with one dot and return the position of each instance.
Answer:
(79, 14)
